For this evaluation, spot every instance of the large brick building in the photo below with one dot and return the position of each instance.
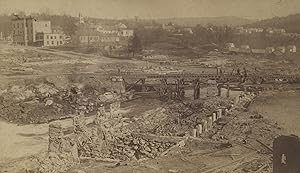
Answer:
(29, 31)
(25, 30)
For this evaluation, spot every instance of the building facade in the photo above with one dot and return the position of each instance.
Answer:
(25, 30)
(50, 39)
(30, 32)
(98, 38)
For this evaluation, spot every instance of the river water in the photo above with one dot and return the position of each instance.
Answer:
(281, 107)
(21, 141)
(26, 140)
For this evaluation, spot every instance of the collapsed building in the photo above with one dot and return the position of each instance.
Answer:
(116, 138)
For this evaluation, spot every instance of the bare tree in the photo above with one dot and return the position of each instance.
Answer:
(135, 45)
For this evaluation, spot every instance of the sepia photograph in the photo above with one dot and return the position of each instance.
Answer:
(149, 86)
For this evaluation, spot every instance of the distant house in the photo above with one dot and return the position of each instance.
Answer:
(121, 26)
(126, 33)
(170, 27)
(291, 49)
(107, 29)
(188, 30)
(254, 30)
(119, 29)
(275, 31)
(229, 45)
(94, 37)
(52, 39)
(279, 31)
(242, 30)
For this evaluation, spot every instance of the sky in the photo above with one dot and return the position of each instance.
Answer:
(118, 9)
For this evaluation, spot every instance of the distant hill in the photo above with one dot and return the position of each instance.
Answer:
(290, 23)
(193, 21)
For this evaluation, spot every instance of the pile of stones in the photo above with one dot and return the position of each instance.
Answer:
(135, 148)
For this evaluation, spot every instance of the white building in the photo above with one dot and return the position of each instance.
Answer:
(126, 33)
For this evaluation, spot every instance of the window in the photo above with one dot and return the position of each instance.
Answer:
(47, 42)
(47, 36)
(45, 25)
(52, 42)
(54, 37)
(57, 43)
(60, 37)
(60, 42)
(18, 25)
(51, 37)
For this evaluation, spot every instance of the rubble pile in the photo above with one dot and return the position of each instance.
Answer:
(43, 102)
(149, 121)
(182, 117)
(102, 139)
(134, 147)
(111, 137)
(245, 127)
(257, 165)
(214, 103)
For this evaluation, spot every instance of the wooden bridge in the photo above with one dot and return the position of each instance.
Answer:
(173, 85)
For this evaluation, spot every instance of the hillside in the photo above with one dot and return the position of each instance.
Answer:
(291, 23)
(219, 21)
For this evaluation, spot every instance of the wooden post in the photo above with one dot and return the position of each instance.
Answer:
(194, 133)
(219, 113)
(209, 123)
(204, 125)
(214, 117)
(199, 128)
(227, 94)
(219, 90)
